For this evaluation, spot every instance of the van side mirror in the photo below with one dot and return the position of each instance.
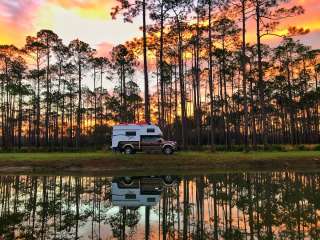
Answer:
(159, 141)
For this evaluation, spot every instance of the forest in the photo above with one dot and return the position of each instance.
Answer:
(213, 86)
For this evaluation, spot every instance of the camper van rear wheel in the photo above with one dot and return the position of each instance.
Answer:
(128, 150)
(168, 150)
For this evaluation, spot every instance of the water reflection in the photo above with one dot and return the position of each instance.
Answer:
(134, 192)
(279, 205)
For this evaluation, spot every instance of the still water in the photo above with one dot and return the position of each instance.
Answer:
(275, 205)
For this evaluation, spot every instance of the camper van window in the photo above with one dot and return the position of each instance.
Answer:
(131, 133)
(150, 138)
(150, 130)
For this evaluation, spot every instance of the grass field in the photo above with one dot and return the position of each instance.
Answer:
(192, 161)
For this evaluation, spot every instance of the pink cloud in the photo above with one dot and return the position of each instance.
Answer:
(311, 39)
(19, 13)
(104, 49)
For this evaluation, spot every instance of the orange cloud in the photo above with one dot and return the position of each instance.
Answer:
(309, 20)
(87, 8)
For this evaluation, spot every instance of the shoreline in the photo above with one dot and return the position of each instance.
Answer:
(108, 163)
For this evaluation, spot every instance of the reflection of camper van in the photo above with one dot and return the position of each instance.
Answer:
(134, 192)
(130, 138)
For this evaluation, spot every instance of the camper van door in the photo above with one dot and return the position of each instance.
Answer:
(150, 143)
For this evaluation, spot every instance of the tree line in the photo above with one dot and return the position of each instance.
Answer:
(213, 87)
(44, 102)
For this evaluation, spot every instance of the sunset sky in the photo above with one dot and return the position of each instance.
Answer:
(90, 21)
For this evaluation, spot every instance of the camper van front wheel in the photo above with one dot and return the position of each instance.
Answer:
(168, 150)
(128, 150)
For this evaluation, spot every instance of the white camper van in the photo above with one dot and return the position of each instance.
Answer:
(130, 138)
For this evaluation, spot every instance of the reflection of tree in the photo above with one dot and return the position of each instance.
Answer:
(222, 206)
(49, 207)
(252, 206)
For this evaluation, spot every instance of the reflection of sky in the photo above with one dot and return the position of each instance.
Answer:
(305, 186)
(105, 228)
(106, 231)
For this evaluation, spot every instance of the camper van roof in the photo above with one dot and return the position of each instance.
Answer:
(139, 123)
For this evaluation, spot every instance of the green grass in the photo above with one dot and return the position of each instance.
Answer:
(49, 156)
(109, 162)
(179, 156)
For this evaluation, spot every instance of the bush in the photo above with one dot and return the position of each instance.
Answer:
(301, 147)
(317, 147)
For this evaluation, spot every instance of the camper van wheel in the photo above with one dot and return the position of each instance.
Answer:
(128, 150)
(168, 150)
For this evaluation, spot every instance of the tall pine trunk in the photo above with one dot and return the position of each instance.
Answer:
(38, 101)
(20, 113)
(197, 83)
(145, 63)
(261, 87)
(244, 75)
(47, 94)
(211, 84)
(101, 95)
(162, 109)
(78, 132)
(182, 86)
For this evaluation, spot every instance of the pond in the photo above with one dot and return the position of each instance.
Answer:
(268, 205)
